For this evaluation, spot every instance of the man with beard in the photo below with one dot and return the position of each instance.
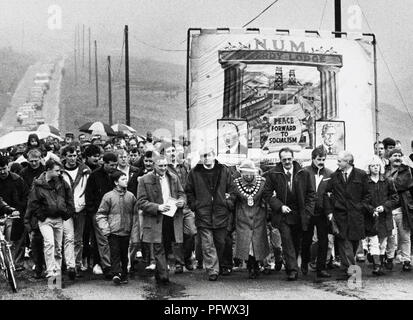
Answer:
(98, 184)
(401, 175)
(346, 198)
(291, 195)
(319, 176)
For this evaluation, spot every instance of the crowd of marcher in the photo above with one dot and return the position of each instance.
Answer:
(92, 206)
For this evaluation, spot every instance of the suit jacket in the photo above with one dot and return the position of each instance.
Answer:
(149, 199)
(301, 202)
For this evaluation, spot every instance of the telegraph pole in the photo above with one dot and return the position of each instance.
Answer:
(90, 61)
(127, 76)
(337, 17)
(96, 73)
(75, 55)
(78, 41)
(83, 46)
(110, 92)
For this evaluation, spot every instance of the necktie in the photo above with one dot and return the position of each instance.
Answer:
(289, 179)
(329, 150)
(345, 177)
(228, 151)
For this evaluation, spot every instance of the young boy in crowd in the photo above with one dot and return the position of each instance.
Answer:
(117, 217)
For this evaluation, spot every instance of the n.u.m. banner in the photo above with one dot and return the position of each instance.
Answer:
(282, 84)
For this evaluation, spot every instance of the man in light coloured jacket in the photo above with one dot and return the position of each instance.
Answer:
(76, 175)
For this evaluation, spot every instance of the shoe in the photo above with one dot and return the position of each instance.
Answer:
(97, 269)
(389, 264)
(267, 270)
(323, 274)
(151, 267)
(189, 266)
(377, 270)
(292, 276)
(71, 273)
(200, 266)
(179, 269)
(278, 265)
(107, 273)
(252, 274)
(225, 271)
(116, 279)
(39, 275)
(19, 268)
(343, 276)
(406, 266)
(161, 280)
(213, 277)
(304, 268)
(124, 280)
(27, 253)
(138, 254)
(313, 266)
(360, 258)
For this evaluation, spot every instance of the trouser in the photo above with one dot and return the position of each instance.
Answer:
(213, 243)
(403, 239)
(175, 252)
(119, 246)
(18, 246)
(148, 253)
(227, 258)
(320, 222)
(198, 249)
(37, 250)
(347, 250)
(102, 245)
(52, 232)
(69, 243)
(274, 238)
(373, 245)
(87, 238)
(290, 239)
(78, 225)
(188, 247)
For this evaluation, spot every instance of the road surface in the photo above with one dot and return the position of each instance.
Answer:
(194, 285)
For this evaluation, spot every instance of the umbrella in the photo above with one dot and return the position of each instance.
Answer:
(97, 127)
(48, 128)
(18, 137)
(120, 127)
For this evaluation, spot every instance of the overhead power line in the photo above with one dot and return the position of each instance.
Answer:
(387, 66)
(322, 15)
(256, 17)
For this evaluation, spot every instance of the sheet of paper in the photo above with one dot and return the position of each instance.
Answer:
(172, 203)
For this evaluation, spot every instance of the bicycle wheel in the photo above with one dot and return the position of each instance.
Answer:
(9, 270)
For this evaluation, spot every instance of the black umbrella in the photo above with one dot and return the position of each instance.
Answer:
(97, 127)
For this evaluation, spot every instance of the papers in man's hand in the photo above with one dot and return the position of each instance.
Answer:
(172, 204)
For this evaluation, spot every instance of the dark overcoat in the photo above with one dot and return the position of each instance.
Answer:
(348, 202)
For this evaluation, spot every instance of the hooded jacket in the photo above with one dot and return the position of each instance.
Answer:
(302, 199)
(117, 213)
(46, 201)
(78, 185)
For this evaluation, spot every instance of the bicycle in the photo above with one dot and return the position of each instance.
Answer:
(6, 259)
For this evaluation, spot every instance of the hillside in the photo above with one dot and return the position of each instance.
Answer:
(13, 65)
(396, 124)
(157, 95)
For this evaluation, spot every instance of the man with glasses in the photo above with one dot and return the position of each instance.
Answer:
(290, 194)
(76, 175)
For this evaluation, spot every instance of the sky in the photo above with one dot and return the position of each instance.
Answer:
(156, 26)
